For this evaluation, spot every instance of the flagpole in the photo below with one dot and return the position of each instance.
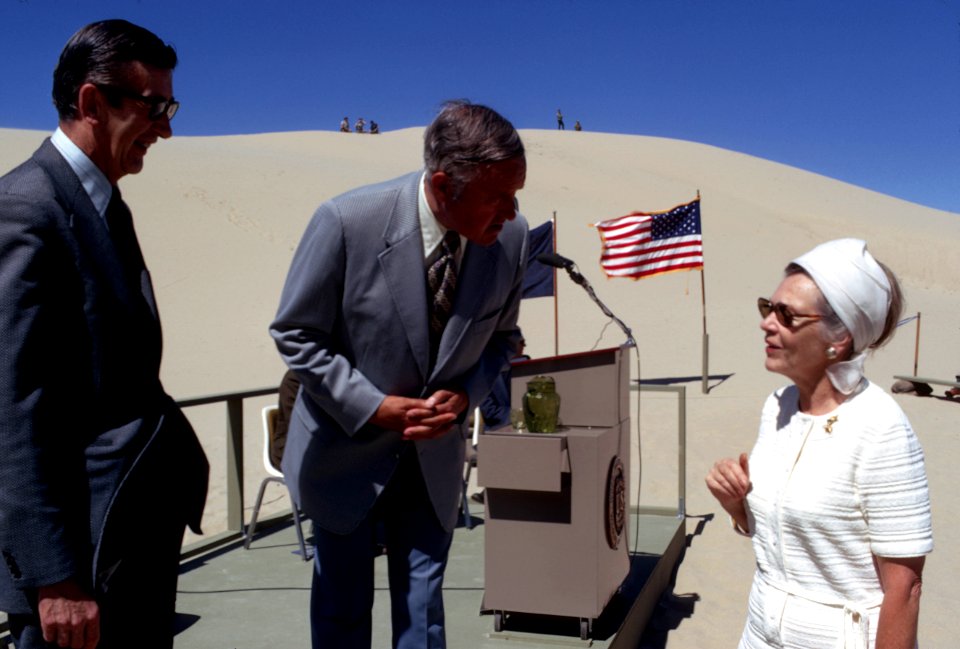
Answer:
(556, 297)
(706, 338)
(705, 386)
(916, 346)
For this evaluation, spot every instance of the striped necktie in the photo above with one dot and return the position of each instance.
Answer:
(442, 281)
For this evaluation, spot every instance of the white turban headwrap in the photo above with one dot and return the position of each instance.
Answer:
(858, 291)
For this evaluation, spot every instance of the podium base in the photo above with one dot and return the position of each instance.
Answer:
(659, 548)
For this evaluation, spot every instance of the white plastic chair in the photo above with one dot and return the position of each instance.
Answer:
(471, 461)
(269, 414)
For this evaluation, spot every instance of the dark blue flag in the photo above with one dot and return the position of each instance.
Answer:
(538, 280)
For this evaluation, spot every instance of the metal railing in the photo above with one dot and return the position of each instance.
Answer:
(234, 462)
(681, 392)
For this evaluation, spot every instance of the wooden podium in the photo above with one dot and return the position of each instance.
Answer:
(557, 503)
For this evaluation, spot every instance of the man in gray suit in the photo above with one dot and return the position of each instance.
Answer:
(100, 470)
(399, 311)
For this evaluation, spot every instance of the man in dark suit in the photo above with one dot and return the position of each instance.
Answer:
(100, 470)
(399, 311)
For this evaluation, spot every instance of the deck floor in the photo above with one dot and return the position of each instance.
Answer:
(233, 598)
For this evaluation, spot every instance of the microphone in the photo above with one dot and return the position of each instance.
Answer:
(559, 261)
(555, 260)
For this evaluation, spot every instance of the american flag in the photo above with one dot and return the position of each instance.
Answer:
(643, 244)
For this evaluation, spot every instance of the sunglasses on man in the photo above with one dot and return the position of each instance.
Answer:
(157, 106)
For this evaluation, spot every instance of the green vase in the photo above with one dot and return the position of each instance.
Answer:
(541, 405)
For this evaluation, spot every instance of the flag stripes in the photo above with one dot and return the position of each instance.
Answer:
(644, 244)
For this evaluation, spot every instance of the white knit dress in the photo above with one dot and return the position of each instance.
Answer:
(829, 493)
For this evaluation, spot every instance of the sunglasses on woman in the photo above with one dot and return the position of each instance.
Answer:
(785, 316)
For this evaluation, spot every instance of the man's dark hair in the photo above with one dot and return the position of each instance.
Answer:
(464, 136)
(101, 53)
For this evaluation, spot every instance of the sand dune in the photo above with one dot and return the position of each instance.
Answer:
(219, 219)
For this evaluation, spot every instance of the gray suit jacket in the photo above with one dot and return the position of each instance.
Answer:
(353, 324)
(92, 450)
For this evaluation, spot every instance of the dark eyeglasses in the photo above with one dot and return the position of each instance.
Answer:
(785, 316)
(158, 106)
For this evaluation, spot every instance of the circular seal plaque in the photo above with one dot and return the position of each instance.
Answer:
(616, 503)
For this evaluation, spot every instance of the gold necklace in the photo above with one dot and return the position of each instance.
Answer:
(829, 425)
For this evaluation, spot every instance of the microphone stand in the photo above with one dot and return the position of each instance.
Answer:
(582, 281)
(571, 268)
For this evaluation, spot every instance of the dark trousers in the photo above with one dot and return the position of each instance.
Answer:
(138, 607)
(417, 546)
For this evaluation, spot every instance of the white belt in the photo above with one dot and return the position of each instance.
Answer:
(856, 616)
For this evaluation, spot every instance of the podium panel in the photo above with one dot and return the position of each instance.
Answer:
(555, 533)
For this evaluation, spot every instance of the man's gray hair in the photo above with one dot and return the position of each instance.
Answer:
(464, 136)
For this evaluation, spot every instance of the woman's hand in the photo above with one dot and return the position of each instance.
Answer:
(729, 482)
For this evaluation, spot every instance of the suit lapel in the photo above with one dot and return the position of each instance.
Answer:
(404, 251)
(92, 236)
(476, 272)
(402, 266)
(86, 223)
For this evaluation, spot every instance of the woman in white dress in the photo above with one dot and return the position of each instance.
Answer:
(834, 493)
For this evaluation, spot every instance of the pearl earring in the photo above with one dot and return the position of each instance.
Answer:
(831, 352)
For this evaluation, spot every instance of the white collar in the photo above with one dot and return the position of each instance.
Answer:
(96, 185)
(431, 230)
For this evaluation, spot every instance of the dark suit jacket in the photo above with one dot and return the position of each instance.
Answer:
(93, 453)
(352, 323)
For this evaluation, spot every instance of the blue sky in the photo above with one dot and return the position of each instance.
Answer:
(866, 91)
